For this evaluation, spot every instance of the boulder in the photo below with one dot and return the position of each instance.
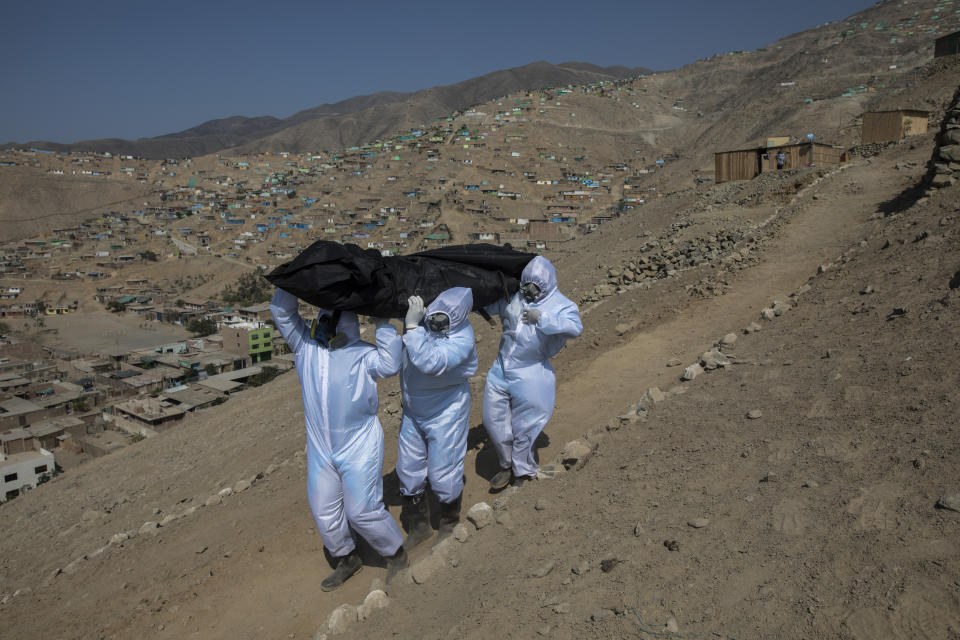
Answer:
(480, 514)
(575, 452)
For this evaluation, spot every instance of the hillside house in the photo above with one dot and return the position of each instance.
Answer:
(892, 126)
(746, 164)
(948, 45)
(20, 472)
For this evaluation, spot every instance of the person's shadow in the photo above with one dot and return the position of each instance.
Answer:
(487, 463)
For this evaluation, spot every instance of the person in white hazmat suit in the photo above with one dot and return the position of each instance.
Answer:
(521, 387)
(439, 357)
(338, 374)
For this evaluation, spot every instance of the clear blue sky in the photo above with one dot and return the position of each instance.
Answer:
(75, 70)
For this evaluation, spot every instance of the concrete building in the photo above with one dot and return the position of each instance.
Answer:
(257, 344)
(23, 471)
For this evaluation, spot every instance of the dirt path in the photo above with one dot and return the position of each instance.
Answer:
(619, 376)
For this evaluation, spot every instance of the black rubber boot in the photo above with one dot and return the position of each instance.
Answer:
(416, 514)
(396, 563)
(346, 566)
(501, 480)
(449, 517)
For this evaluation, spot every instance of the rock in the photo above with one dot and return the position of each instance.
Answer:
(608, 564)
(753, 327)
(167, 519)
(461, 533)
(270, 469)
(951, 502)
(150, 528)
(225, 492)
(950, 152)
(374, 601)
(119, 538)
(542, 570)
(582, 568)
(500, 503)
(542, 504)
(341, 618)
(544, 630)
(699, 523)
(674, 362)
(241, 486)
(771, 476)
(213, 500)
(672, 626)
(638, 530)
(692, 372)
(480, 515)
(753, 414)
(575, 452)
(561, 608)
(622, 328)
(714, 359)
(729, 340)
(941, 180)
(768, 314)
(652, 396)
(602, 614)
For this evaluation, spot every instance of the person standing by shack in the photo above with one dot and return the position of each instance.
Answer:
(781, 160)
(439, 357)
(338, 374)
(521, 385)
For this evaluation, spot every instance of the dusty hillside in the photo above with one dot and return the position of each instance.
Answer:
(349, 122)
(854, 404)
(32, 204)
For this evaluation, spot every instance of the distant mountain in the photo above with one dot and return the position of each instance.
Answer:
(350, 122)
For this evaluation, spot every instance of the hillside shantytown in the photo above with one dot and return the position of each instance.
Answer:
(762, 245)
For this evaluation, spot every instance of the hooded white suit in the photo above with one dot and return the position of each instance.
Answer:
(435, 378)
(521, 386)
(344, 436)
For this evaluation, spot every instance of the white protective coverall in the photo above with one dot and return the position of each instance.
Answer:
(521, 386)
(344, 436)
(435, 378)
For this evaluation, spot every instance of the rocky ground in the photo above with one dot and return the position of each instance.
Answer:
(816, 518)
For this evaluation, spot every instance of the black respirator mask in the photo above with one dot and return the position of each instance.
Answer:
(438, 323)
(324, 328)
(529, 291)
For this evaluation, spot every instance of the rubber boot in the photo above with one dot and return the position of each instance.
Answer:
(396, 563)
(417, 518)
(501, 480)
(346, 566)
(449, 517)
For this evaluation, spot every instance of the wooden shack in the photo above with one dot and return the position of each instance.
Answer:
(948, 45)
(746, 164)
(892, 126)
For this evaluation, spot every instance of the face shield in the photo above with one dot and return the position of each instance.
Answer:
(529, 291)
(438, 323)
